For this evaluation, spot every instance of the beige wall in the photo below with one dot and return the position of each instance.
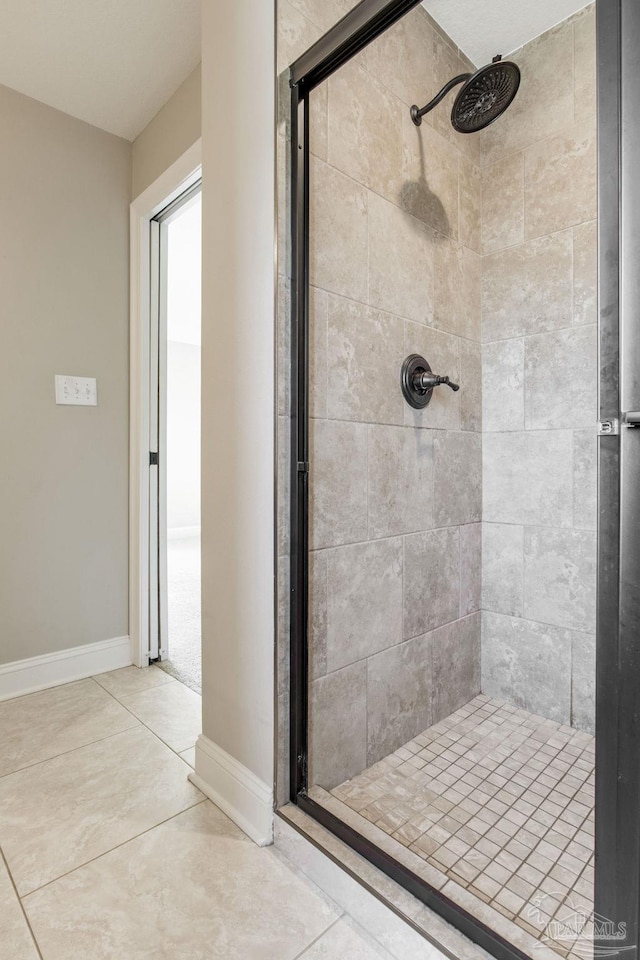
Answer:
(171, 132)
(64, 195)
(237, 339)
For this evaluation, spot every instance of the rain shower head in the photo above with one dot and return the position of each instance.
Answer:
(484, 97)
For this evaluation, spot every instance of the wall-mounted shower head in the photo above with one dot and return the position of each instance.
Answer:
(484, 97)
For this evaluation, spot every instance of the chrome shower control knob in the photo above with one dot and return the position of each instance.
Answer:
(418, 381)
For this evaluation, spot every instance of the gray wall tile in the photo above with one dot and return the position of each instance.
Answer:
(318, 318)
(457, 478)
(584, 31)
(503, 385)
(400, 465)
(283, 441)
(503, 568)
(560, 379)
(503, 488)
(337, 483)
(362, 111)
(528, 477)
(398, 696)
(560, 181)
(528, 664)
(283, 625)
(585, 482)
(455, 652)
(429, 189)
(325, 14)
(283, 345)
(338, 726)
(470, 385)
(585, 273)
(431, 580)
(544, 104)
(295, 34)
(529, 288)
(317, 613)
(560, 577)
(503, 204)
(457, 290)
(364, 600)
(401, 254)
(284, 205)
(470, 568)
(583, 687)
(365, 350)
(319, 121)
(548, 478)
(339, 246)
(470, 204)
(409, 42)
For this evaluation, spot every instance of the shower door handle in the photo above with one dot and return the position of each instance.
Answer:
(631, 419)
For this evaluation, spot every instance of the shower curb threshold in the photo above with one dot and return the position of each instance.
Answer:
(392, 916)
(464, 898)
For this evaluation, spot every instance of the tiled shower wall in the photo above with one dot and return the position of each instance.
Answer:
(396, 494)
(539, 281)
(299, 24)
(401, 218)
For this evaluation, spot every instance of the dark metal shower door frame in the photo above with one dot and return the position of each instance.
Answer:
(617, 892)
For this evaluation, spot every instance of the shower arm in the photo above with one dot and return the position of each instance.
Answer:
(417, 114)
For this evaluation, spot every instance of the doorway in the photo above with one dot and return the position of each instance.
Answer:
(174, 439)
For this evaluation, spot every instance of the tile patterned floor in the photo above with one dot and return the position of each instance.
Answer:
(500, 802)
(107, 850)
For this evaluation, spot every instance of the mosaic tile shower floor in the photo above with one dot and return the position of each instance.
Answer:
(498, 803)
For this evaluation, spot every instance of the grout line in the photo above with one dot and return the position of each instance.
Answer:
(398, 643)
(19, 900)
(302, 953)
(548, 763)
(439, 235)
(420, 324)
(146, 725)
(542, 236)
(418, 533)
(64, 753)
(104, 853)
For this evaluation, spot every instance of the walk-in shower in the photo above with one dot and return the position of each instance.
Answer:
(439, 517)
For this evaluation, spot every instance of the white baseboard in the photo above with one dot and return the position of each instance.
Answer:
(246, 799)
(64, 666)
(182, 533)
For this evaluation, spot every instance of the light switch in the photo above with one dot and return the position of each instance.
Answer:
(77, 391)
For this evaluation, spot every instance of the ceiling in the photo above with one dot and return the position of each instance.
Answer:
(501, 27)
(113, 63)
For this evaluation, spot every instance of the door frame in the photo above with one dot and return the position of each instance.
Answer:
(178, 178)
(617, 886)
(617, 893)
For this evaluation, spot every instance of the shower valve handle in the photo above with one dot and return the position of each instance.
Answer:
(418, 381)
(427, 381)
